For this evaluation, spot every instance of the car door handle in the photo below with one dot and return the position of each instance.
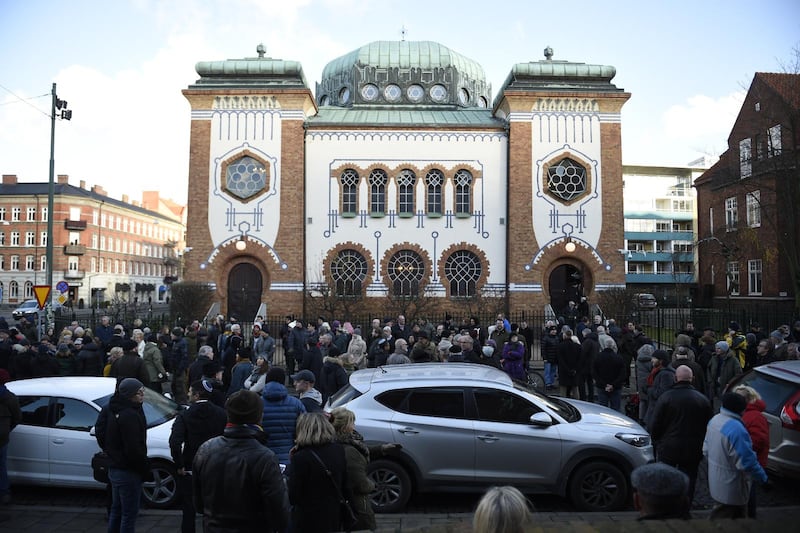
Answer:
(488, 438)
(58, 441)
(408, 431)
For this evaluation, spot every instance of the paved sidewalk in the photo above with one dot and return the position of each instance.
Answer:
(44, 519)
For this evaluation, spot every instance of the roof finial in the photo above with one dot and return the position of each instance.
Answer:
(403, 32)
(261, 50)
(548, 53)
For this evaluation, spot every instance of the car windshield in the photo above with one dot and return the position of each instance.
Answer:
(157, 408)
(774, 391)
(344, 395)
(565, 410)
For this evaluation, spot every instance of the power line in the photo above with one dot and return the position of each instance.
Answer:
(25, 100)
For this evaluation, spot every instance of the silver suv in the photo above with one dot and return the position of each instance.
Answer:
(778, 384)
(467, 426)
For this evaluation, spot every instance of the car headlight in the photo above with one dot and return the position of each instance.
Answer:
(634, 439)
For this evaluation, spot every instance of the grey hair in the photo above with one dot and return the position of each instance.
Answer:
(609, 342)
(502, 510)
(205, 350)
(660, 480)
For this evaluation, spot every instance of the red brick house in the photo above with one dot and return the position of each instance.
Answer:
(748, 218)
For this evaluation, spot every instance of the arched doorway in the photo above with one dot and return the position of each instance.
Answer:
(244, 291)
(566, 283)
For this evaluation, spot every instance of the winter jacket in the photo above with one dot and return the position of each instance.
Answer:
(678, 423)
(90, 361)
(357, 351)
(126, 435)
(238, 486)
(731, 459)
(549, 348)
(153, 363)
(312, 360)
(43, 364)
(663, 381)
(255, 382)
(333, 377)
(240, 372)
(721, 371)
(609, 369)
(67, 365)
(357, 456)
(312, 400)
(10, 414)
(512, 362)
(196, 368)
(758, 429)
(129, 365)
(279, 419)
(192, 427)
(698, 374)
(314, 499)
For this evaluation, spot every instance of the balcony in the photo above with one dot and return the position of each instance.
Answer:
(74, 274)
(74, 249)
(78, 225)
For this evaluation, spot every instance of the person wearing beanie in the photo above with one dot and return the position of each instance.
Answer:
(722, 369)
(732, 463)
(241, 456)
(130, 365)
(10, 417)
(202, 421)
(660, 492)
(124, 430)
(737, 342)
(660, 379)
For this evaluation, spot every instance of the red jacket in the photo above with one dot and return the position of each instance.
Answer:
(758, 428)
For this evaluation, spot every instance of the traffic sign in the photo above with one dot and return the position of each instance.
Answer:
(42, 293)
(62, 286)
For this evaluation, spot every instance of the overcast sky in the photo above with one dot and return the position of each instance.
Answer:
(121, 66)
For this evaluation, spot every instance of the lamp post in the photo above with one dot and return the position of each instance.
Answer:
(66, 115)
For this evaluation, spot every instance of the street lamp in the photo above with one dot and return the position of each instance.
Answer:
(65, 114)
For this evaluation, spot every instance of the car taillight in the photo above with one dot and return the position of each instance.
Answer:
(790, 418)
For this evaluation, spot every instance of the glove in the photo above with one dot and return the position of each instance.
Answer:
(389, 447)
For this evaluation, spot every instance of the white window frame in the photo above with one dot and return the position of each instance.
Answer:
(30, 262)
(731, 213)
(16, 212)
(755, 277)
(732, 279)
(14, 263)
(753, 200)
(30, 214)
(30, 238)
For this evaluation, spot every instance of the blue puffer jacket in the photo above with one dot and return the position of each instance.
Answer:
(280, 416)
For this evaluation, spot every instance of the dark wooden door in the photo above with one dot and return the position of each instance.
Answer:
(566, 283)
(244, 292)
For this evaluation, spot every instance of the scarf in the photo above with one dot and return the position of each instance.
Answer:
(355, 440)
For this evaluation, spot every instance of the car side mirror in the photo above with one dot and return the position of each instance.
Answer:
(92, 432)
(541, 419)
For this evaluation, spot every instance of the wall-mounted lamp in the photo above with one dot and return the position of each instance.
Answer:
(569, 246)
(241, 244)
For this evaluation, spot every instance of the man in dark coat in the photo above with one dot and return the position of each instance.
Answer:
(10, 417)
(609, 375)
(678, 425)
(90, 360)
(126, 445)
(192, 427)
(568, 355)
(130, 365)
(590, 348)
(237, 481)
(179, 363)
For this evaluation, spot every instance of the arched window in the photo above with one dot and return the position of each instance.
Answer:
(377, 192)
(28, 290)
(405, 192)
(566, 180)
(463, 270)
(349, 187)
(348, 272)
(434, 182)
(463, 180)
(13, 290)
(406, 271)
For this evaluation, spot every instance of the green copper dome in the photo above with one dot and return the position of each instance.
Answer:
(418, 73)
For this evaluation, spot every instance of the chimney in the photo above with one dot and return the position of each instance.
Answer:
(125, 199)
(97, 189)
(63, 179)
(9, 179)
(83, 184)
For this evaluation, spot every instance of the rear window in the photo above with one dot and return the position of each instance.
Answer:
(775, 392)
(438, 402)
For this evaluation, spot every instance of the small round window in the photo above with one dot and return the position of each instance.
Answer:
(344, 95)
(567, 180)
(438, 93)
(369, 92)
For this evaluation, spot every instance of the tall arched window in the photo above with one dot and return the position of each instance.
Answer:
(463, 270)
(406, 271)
(348, 272)
(377, 192)
(13, 290)
(463, 180)
(405, 192)
(434, 182)
(349, 186)
(28, 290)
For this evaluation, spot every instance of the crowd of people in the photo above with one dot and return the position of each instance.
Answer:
(242, 417)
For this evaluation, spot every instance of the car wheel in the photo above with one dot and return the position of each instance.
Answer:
(392, 486)
(162, 491)
(598, 486)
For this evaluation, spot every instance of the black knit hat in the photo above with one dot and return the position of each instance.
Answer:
(734, 402)
(244, 407)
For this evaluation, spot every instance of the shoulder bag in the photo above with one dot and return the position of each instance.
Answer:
(346, 514)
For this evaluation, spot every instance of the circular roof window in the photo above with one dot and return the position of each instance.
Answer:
(438, 93)
(369, 92)
(463, 96)
(344, 95)
(392, 92)
(415, 93)
(324, 100)
(482, 102)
